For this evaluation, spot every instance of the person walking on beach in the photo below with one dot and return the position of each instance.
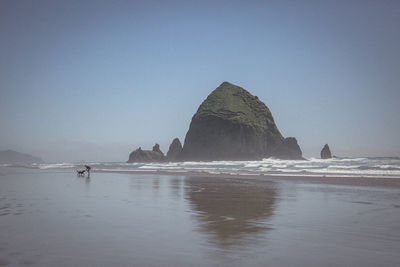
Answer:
(88, 170)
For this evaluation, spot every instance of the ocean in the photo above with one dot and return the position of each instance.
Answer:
(369, 167)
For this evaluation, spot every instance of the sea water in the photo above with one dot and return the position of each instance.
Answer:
(388, 167)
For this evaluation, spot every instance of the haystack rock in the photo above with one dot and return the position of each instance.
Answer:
(140, 155)
(326, 152)
(232, 124)
(175, 149)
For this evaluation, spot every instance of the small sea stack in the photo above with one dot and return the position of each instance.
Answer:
(326, 152)
(289, 149)
(175, 149)
(139, 155)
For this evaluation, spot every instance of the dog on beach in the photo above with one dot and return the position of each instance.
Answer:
(80, 173)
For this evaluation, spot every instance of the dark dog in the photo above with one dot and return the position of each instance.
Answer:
(80, 173)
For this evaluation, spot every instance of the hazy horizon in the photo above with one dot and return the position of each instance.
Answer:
(95, 80)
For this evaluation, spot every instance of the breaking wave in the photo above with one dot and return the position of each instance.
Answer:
(360, 167)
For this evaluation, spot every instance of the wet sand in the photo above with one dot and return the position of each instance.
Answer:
(53, 218)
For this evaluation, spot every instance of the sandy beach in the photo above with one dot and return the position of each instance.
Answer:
(53, 218)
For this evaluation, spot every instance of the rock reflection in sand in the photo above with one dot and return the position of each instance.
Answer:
(233, 212)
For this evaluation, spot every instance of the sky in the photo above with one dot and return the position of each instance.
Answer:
(94, 80)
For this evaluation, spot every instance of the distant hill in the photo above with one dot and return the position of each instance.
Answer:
(10, 156)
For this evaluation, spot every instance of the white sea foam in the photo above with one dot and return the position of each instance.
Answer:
(5, 165)
(362, 167)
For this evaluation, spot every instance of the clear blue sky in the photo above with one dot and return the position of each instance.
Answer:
(93, 80)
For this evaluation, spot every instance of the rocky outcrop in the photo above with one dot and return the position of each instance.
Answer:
(326, 152)
(174, 151)
(288, 149)
(156, 148)
(232, 124)
(139, 155)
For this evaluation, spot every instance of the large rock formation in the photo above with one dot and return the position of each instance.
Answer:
(232, 124)
(326, 152)
(140, 155)
(175, 149)
(14, 157)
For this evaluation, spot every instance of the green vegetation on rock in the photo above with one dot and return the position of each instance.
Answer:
(235, 104)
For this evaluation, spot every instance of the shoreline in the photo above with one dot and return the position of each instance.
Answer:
(318, 179)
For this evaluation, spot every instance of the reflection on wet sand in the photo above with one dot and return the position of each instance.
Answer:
(176, 186)
(232, 211)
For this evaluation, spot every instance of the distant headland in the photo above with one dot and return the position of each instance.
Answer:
(14, 157)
